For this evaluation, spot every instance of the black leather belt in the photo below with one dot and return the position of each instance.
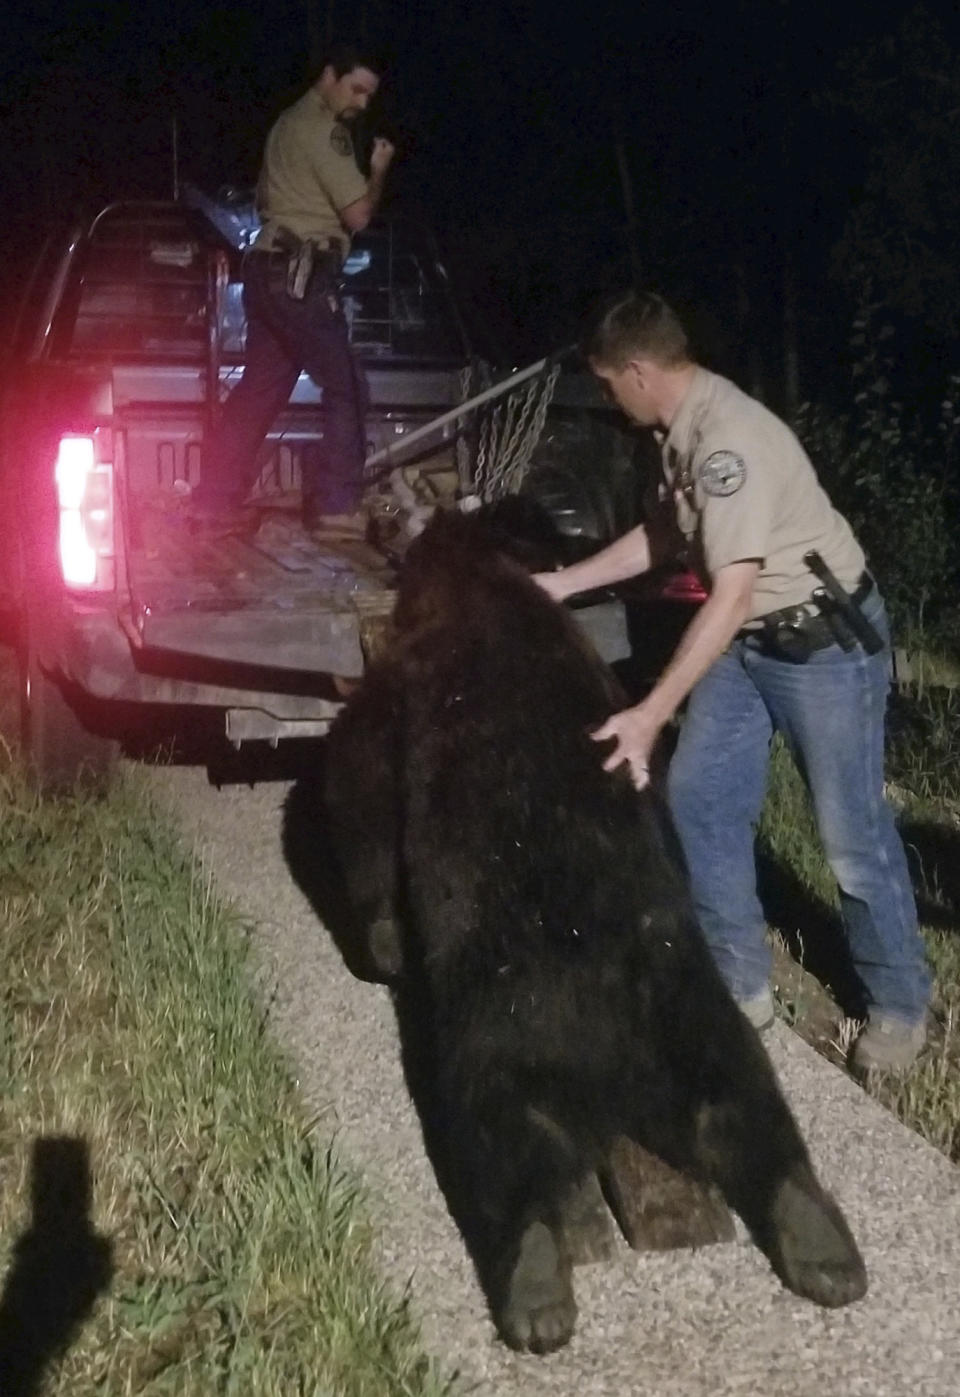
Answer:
(795, 632)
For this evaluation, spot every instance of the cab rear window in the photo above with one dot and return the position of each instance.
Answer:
(139, 289)
(395, 299)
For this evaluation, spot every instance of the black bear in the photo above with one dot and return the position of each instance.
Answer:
(540, 904)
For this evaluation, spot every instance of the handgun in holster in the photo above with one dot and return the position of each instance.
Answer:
(300, 269)
(842, 610)
(300, 254)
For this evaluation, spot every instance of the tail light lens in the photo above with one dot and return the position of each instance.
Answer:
(84, 481)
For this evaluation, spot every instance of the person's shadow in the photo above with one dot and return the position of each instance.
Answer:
(59, 1268)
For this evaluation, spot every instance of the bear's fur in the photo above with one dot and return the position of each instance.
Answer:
(540, 905)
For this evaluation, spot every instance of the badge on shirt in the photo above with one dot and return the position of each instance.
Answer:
(722, 473)
(340, 139)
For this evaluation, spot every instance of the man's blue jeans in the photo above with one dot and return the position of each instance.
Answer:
(831, 713)
(284, 336)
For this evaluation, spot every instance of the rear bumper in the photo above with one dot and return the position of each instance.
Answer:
(91, 651)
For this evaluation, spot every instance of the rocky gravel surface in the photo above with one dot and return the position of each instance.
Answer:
(712, 1322)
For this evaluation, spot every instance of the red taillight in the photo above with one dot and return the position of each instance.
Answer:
(684, 586)
(85, 496)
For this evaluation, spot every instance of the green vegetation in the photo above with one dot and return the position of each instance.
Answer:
(236, 1241)
(895, 474)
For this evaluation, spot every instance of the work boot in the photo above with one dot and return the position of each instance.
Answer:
(758, 1009)
(888, 1045)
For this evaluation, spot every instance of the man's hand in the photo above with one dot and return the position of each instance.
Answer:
(636, 731)
(553, 583)
(356, 216)
(381, 155)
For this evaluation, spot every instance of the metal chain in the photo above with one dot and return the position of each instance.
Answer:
(464, 472)
(509, 434)
(519, 440)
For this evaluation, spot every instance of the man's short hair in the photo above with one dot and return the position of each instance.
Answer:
(343, 58)
(637, 325)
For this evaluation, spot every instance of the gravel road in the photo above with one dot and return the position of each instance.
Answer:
(711, 1322)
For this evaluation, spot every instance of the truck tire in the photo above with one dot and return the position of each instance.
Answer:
(60, 750)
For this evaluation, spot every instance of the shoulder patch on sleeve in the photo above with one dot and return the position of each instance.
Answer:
(340, 139)
(722, 473)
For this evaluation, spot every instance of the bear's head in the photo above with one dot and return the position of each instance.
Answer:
(511, 536)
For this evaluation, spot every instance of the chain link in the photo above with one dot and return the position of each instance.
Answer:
(464, 471)
(508, 435)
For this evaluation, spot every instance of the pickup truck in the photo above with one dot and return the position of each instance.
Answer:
(130, 335)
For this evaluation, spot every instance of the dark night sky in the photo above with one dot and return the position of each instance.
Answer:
(510, 114)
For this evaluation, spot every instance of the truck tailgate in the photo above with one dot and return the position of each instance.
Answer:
(277, 599)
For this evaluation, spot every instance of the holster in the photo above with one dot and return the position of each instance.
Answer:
(300, 269)
(795, 632)
(305, 257)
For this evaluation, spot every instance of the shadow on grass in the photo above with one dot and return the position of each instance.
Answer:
(59, 1268)
(812, 931)
(933, 851)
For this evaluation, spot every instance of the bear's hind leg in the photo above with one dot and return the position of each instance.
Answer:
(809, 1244)
(753, 1151)
(736, 1130)
(362, 830)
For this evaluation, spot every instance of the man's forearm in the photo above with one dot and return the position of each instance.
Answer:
(625, 557)
(375, 187)
(356, 216)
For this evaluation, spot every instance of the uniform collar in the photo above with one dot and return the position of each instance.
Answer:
(681, 437)
(318, 100)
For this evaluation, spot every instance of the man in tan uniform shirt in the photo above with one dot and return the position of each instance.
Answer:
(741, 499)
(310, 192)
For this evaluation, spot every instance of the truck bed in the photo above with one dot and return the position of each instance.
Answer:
(277, 599)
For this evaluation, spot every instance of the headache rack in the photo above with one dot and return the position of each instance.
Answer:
(139, 288)
(160, 280)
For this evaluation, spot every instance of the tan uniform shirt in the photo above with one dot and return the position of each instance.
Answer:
(309, 174)
(743, 487)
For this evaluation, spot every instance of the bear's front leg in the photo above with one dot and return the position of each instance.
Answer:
(360, 801)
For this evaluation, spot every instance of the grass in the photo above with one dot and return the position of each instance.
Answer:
(924, 786)
(154, 1155)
